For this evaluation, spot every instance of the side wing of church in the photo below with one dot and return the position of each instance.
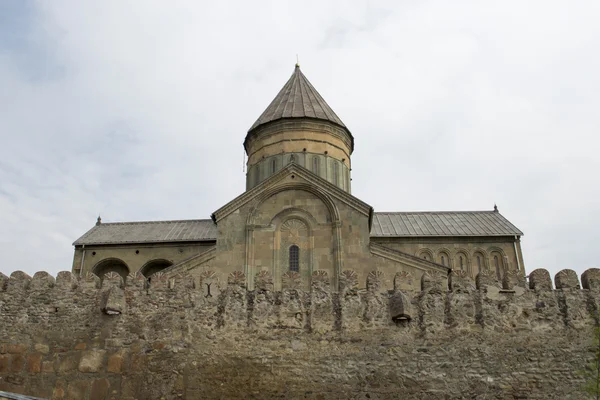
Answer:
(298, 221)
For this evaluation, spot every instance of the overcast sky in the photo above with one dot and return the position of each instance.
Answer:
(137, 110)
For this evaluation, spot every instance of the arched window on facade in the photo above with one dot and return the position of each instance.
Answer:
(443, 260)
(273, 165)
(336, 172)
(497, 266)
(256, 175)
(315, 165)
(294, 258)
(461, 262)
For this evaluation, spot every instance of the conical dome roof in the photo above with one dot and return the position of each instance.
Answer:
(298, 99)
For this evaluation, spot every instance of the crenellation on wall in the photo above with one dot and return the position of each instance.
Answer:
(84, 335)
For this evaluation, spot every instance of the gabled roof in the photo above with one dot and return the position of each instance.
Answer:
(294, 170)
(192, 230)
(448, 223)
(298, 99)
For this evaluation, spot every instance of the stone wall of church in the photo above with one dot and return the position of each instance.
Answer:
(492, 253)
(80, 338)
(258, 236)
(134, 257)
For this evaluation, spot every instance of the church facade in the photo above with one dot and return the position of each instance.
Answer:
(297, 218)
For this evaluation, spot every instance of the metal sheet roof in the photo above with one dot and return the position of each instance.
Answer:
(448, 223)
(298, 99)
(150, 232)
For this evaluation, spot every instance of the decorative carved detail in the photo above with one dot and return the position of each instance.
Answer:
(512, 278)
(237, 278)
(348, 280)
(91, 280)
(403, 278)
(294, 228)
(291, 280)
(374, 280)
(183, 280)
(112, 278)
(590, 279)
(486, 278)
(263, 280)
(206, 275)
(159, 280)
(320, 276)
(566, 279)
(432, 281)
(136, 279)
(539, 280)
(460, 281)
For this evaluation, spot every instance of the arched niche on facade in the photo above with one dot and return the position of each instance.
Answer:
(478, 262)
(461, 261)
(293, 244)
(111, 265)
(497, 262)
(425, 254)
(295, 225)
(443, 257)
(154, 266)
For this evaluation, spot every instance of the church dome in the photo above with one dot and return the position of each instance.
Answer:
(299, 125)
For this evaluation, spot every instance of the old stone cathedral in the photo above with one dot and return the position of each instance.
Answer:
(298, 216)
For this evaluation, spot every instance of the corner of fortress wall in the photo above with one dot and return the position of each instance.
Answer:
(180, 336)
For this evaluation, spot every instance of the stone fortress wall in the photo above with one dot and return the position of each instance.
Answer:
(210, 337)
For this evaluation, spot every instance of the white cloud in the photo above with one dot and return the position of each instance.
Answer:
(138, 110)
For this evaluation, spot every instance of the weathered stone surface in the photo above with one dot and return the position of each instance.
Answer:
(539, 280)
(590, 279)
(91, 361)
(566, 279)
(113, 300)
(372, 340)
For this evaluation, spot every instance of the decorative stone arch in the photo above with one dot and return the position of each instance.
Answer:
(107, 265)
(334, 220)
(444, 252)
(497, 261)
(462, 254)
(285, 222)
(425, 254)
(154, 266)
(479, 261)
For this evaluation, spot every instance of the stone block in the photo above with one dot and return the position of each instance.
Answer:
(59, 391)
(68, 362)
(4, 363)
(539, 280)
(66, 280)
(80, 346)
(47, 366)
(566, 279)
(113, 300)
(17, 362)
(42, 280)
(77, 390)
(42, 348)
(99, 389)
(138, 362)
(34, 363)
(115, 363)
(16, 348)
(91, 361)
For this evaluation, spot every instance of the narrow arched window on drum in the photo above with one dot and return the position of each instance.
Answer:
(294, 258)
